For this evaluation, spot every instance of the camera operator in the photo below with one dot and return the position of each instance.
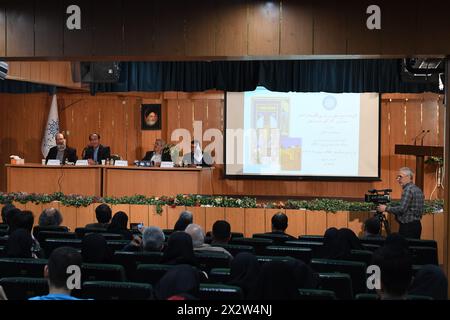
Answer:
(410, 210)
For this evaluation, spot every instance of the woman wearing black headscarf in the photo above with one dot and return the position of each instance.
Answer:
(179, 250)
(119, 224)
(94, 249)
(430, 281)
(182, 281)
(329, 243)
(244, 270)
(303, 275)
(275, 282)
(19, 244)
(339, 243)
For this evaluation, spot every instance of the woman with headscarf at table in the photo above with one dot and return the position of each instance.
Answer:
(119, 224)
(275, 282)
(19, 244)
(244, 269)
(182, 282)
(94, 249)
(430, 281)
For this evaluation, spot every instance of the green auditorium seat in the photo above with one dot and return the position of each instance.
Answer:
(209, 260)
(316, 294)
(51, 244)
(38, 229)
(361, 256)
(3, 240)
(378, 242)
(234, 235)
(102, 272)
(264, 259)
(219, 275)
(303, 254)
(340, 283)
(111, 290)
(313, 245)
(367, 296)
(117, 245)
(422, 243)
(356, 270)
(3, 232)
(209, 291)
(424, 255)
(3, 226)
(258, 243)
(2, 251)
(235, 249)
(21, 288)
(417, 297)
(370, 247)
(278, 239)
(81, 231)
(22, 267)
(43, 235)
(130, 260)
(315, 238)
(151, 273)
(111, 236)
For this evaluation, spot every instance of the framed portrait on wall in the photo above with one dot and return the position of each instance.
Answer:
(151, 117)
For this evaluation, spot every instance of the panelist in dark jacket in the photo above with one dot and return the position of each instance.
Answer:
(159, 153)
(61, 151)
(94, 153)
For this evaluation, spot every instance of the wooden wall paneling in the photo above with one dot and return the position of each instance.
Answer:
(236, 218)
(70, 218)
(158, 219)
(80, 42)
(356, 222)
(296, 222)
(200, 28)
(316, 222)
(399, 27)
(139, 214)
(386, 179)
(264, 28)
(173, 214)
(414, 125)
(85, 215)
(21, 206)
(430, 122)
(338, 219)
(439, 233)
(107, 27)
(361, 40)
(329, 27)
(133, 129)
(49, 27)
(213, 214)
(2, 30)
(296, 28)
(231, 28)
(255, 222)
(20, 28)
(112, 124)
(138, 27)
(199, 217)
(169, 38)
(427, 227)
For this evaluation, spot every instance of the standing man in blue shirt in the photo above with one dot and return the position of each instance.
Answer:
(410, 210)
(94, 153)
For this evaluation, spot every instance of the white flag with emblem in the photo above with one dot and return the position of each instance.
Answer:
(51, 129)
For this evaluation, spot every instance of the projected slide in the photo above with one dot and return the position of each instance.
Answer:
(302, 134)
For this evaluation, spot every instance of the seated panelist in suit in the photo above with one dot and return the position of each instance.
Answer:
(159, 153)
(61, 151)
(197, 157)
(94, 153)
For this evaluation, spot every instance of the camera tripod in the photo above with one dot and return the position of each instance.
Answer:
(383, 222)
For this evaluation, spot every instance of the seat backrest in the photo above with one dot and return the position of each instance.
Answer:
(2, 251)
(361, 255)
(264, 259)
(304, 254)
(258, 243)
(81, 231)
(51, 244)
(117, 245)
(22, 267)
(378, 242)
(277, 238)
(112, 290)
(315, 238)
(422, 243)
(340, 283)
(110, 236)
(38, 229)
(219, 275)
(209, 291)
(367, 296)
(235, 249)
(209, 260)
(102, 272)
(370, 247)
(151, 273)
(423, 255)
(3, 232)
(316, 294)
(4, 240)
(130, 260)
(356, 270)
(43, 235)
(22, 288)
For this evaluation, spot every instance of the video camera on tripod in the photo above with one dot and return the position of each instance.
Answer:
(381, 196)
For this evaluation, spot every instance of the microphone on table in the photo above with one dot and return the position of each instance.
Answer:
(421, 141)
(416, 137)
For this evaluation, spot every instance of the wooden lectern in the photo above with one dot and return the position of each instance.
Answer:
(420, 152)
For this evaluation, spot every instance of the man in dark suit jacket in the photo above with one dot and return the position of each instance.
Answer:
(159, 153)
(61, 151)
(95, 152)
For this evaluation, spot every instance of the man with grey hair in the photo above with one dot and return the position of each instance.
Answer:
(160, 153)
(198, 240)
(185, 219)
(410, 210)
(153, 239)
(50, 217)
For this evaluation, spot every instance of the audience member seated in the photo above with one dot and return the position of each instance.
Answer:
(50, 217)
(160, 153)
(94, 249)
(182, 282)
(198, 241)
(244, 272)
(196, 157)
(372, 229)
(179, 250)
(119, 224)
(103, 214)
(185, 219)
(396, 272)
(275, 282)
(56, 273)
(5, 212)
(152, 241)
(94, 153)
(19, 245)
(304, 276)
(11, 218)
(221, 232)
(25, 220)
(280, 224)
(430, 281)
(337, 244)
(61, 151)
